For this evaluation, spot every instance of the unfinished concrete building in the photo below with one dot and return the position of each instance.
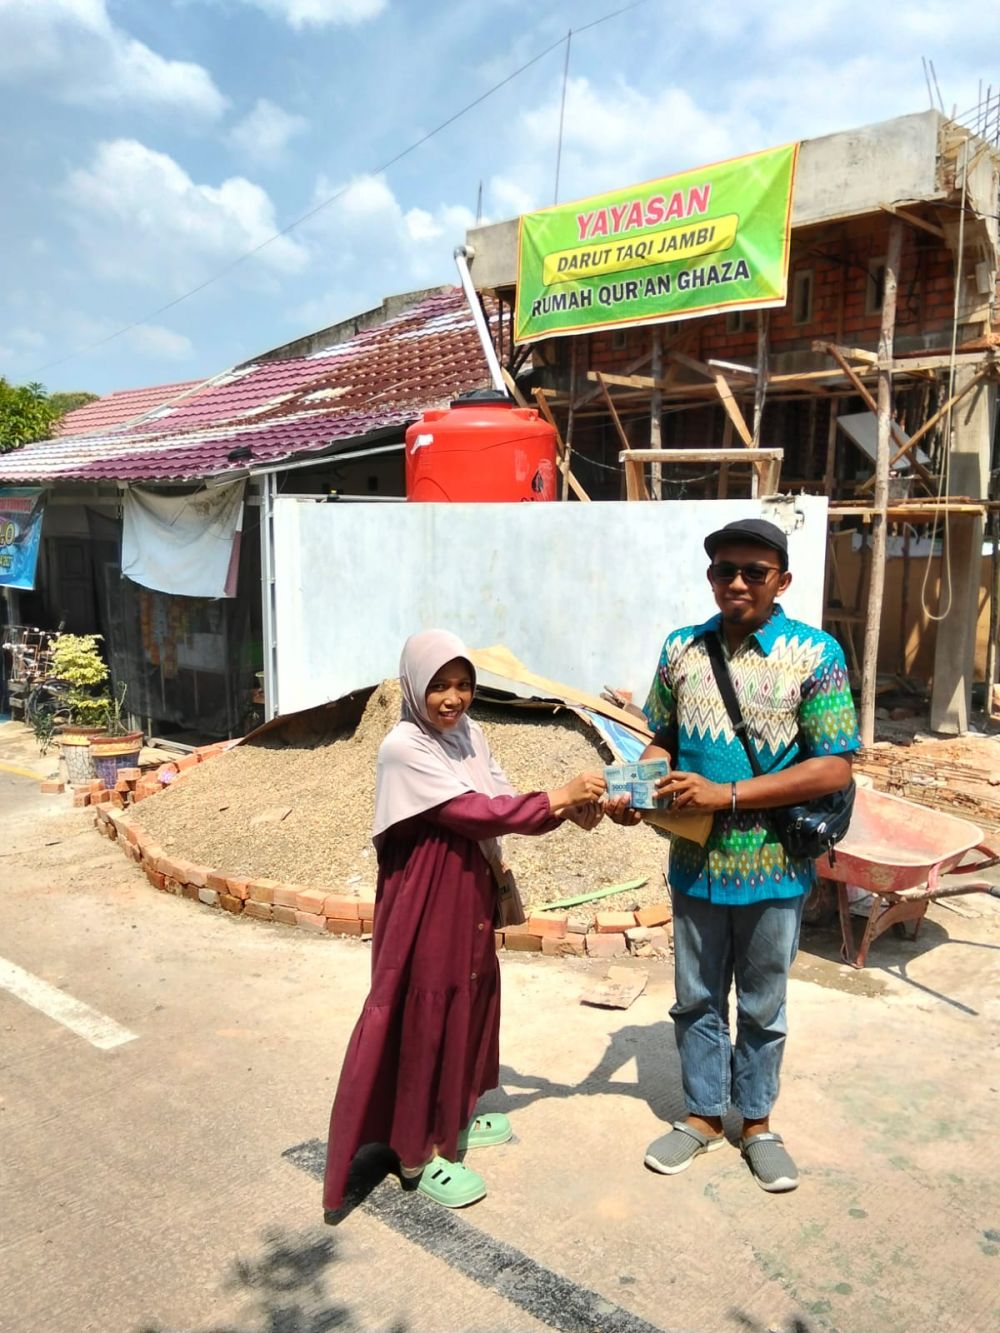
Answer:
(895, 237)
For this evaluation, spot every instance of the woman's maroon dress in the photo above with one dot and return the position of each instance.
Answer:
(426, 1046)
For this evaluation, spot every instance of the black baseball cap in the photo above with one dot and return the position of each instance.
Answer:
(755, 530)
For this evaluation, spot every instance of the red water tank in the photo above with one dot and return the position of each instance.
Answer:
(483, 447)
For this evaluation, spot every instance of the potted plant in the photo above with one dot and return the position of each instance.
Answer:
(116, 746)
(76, 661)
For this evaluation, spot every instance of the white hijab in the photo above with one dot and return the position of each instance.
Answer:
(419, 767)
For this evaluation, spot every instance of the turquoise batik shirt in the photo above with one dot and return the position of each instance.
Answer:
(791, 680)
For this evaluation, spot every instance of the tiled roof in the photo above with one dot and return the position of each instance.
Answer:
(117, 408)
(384, 377)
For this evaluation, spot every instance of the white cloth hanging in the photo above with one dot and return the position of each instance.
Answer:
(184, 544)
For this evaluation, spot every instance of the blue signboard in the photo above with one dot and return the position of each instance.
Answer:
(20, 533)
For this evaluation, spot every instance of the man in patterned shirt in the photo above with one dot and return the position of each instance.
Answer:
(738, 900)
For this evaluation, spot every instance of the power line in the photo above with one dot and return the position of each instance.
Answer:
(332, 199)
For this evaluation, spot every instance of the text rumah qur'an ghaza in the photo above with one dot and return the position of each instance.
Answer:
(635, 289)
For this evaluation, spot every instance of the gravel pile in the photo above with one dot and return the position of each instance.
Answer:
(303, 814)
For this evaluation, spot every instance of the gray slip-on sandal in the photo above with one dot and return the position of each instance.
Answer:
(675, 1151)
(770, 1163)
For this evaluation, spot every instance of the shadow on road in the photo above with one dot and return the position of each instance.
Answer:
(286, 1289)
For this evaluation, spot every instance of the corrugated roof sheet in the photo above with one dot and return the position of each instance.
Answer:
(383, 377)
(114, 409)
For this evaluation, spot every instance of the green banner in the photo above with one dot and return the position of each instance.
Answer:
(705, 240)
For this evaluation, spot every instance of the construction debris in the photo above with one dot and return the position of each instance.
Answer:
(620, 991)
(960, 777)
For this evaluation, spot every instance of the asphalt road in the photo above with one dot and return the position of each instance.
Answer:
(168, 1180)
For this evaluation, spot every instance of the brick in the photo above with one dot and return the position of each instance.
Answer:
(613, 923)
(343, 927)
(121, 785)
(185, 763)
(285, 895)
(191, 891)
(657, 914)
(262, 890)
(548, 925)
(100, 797)
(517, 940)
(151, 852)
(572, 946)
(262, 911)
(230, 904)
(95, 785)
(645, 934)
(118, 802)
(53, 788)
(310, 900)
(238, 888)
(340, 908)
(367, 925)
(606, 946)
(195, 874)
(130, 774)
(366, 909)
(157, 880)
(216, 881)
(578, 925)
(286, 915)
(172, 885)
(209, 897)
(498, 939)
(311, 921)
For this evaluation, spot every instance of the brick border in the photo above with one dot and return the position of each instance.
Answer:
(644, 933)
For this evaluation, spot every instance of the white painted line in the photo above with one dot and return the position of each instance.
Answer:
(100, 1031)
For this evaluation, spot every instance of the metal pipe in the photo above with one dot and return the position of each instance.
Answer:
(463, 253)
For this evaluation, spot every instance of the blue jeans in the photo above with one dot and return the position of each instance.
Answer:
(713, 946)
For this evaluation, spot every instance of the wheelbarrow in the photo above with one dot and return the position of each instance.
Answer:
(898, 852)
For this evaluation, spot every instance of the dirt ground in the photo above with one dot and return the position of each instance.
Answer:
(170, 1184)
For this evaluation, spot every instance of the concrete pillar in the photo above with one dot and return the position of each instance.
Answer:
(954, 655)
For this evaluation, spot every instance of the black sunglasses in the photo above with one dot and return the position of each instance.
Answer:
(724, 571)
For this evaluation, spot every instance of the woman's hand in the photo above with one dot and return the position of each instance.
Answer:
(619, 811)
(586, 816)
(690, 791)
(583, 789)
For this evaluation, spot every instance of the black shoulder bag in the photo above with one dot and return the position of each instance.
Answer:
(805, 831)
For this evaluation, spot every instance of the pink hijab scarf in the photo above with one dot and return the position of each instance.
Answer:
(419, 767)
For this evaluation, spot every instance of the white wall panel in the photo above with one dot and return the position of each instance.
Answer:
(582, 593)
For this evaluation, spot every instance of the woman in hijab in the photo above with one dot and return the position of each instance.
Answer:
(427, 1043)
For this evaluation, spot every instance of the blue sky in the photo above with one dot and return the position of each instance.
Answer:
(146, 144)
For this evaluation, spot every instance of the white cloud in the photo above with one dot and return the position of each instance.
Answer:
(612, 136)
(74, 50)
(321, 13)
(368, 236)
(265, 132)
(159, 343)
(141, 217)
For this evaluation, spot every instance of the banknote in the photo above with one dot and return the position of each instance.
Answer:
(638, 782)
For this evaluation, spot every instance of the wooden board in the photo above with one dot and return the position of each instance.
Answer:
(959, 777)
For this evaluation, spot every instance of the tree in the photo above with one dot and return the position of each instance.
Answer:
(69, 402)
(26, 414)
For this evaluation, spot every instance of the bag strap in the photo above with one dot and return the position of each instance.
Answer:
(720, 670)
(724, 680)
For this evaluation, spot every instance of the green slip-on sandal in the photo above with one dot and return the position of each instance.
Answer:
(770, 1162)
(451, 1184)
(674, 1152)
(485, 1131)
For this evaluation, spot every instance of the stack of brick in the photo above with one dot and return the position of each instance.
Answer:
(613, 934)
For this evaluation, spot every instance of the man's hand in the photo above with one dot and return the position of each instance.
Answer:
(690, 791)
(619, 811)
(586, 816)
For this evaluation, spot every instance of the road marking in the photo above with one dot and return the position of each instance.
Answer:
(20, 772)
(98, 1029)
(541, 1293)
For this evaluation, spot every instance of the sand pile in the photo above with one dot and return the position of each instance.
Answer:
(303, 814)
